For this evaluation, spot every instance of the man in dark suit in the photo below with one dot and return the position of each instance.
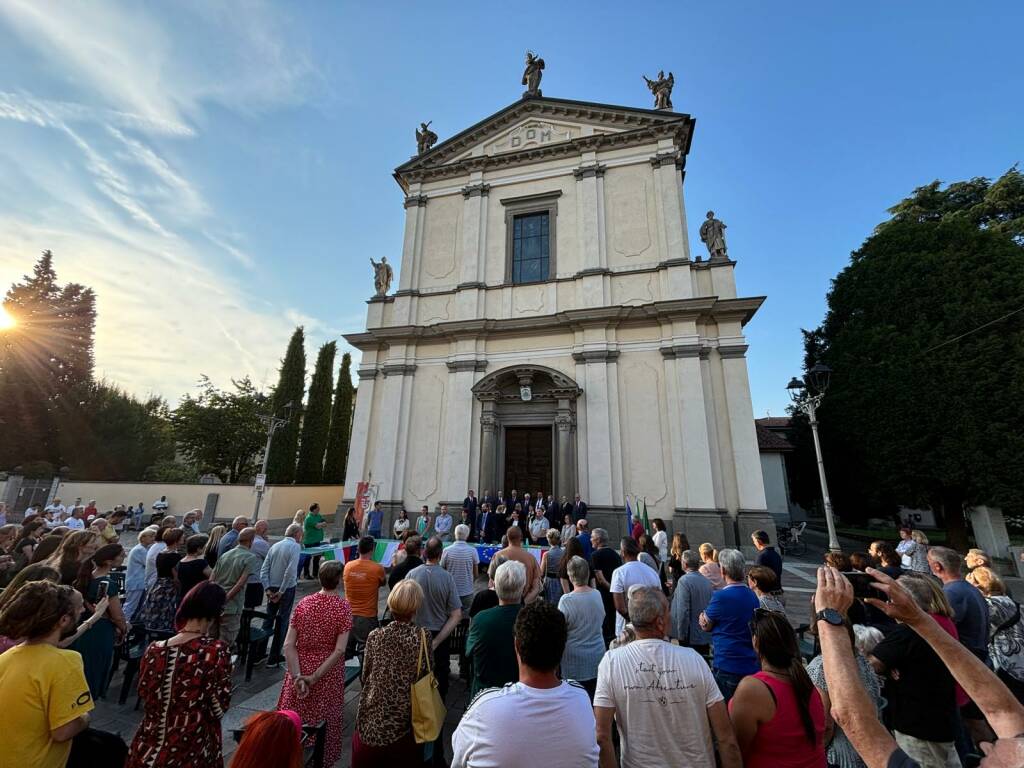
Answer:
(566, 508)
(579, 509)
(485, 524)
(469, 520)
(488, 498)
(551, 512)
(470, 503)
(512, 500)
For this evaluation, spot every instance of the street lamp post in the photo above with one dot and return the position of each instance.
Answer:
(807, 396)
(273, 423)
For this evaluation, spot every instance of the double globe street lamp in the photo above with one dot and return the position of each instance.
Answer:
(807, 396)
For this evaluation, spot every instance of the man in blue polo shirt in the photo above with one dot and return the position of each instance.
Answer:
(727, 618)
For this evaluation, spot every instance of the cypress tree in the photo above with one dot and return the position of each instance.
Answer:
(341, 423)
(291, 385)
(316, 424)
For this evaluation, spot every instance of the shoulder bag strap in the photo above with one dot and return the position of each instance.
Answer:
(1010, 621)
(424, 653)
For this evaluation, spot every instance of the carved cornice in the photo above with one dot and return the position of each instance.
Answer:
(407, 292)
(476, 190)
(677, 351)
(540, 197)
(594, 271)
(398, 369)
(366, 373)
(595, 355)
(737, 350)
(638, 126)
(664, 158)
(712, 263)
(380, 299)
(416, 201)
(470, 286)
(705, 353)
(466, 365)
(588, 171)
(706, 308)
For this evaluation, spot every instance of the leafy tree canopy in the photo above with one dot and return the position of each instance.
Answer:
(922, 331)
(220, 431)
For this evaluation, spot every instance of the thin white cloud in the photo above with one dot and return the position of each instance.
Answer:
(103, 195)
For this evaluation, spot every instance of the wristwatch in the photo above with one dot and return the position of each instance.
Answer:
(831, 615)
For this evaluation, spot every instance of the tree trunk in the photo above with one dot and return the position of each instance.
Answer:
(953, 512)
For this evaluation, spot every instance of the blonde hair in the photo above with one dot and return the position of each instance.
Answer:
(554, 537)
(216, 534)
(927, 593)
(919, 536)
(978, 556)
(707, 552)
(300, 516)
(405, 599)
(987, 581)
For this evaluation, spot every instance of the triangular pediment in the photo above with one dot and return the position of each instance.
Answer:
(533, 128)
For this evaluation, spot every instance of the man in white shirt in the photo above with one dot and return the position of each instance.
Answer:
(279, 575)
(663, 697)
(260, 546)
(56, 510)
(462, 561)
(75, 521)
(631, 572)
(486, 738)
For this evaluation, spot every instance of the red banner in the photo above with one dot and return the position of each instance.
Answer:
(362, 502)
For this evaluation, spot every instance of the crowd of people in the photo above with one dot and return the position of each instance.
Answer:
(643, 652)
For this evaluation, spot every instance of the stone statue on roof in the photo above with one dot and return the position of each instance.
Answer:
(382, 275)
(425, 138)
(532, 74)
(662, 89)
(712, 234)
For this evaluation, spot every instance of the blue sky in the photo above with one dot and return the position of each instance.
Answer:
(220, 172)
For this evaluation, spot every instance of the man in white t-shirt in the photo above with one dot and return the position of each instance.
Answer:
(75, 521)
(57, 511)
(631, 572)
(662, 696)
(489, 735)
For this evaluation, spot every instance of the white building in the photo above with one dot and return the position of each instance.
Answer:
(552, 331)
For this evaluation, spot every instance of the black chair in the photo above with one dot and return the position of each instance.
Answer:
(314, 743)
(130, 651)
(252, 641)
(457, 647)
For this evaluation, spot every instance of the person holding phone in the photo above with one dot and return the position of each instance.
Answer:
(97, 645)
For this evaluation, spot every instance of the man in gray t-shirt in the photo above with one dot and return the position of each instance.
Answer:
(441, 609)
(462, 561)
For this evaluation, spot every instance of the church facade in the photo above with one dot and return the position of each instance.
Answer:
(551, 330)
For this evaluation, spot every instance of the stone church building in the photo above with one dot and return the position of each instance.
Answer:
(552, 331)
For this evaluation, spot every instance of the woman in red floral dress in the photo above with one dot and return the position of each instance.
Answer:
(314, 685)
(185, 686)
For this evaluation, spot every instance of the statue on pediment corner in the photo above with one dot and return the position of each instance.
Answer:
(382, 275)
(662, 89)
(425, 138)
(712, 234)
(532, 74)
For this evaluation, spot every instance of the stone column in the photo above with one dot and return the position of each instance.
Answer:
(385, 463)
(488, 446)
(669, 188)
(691, 450)
(749, 482)
(414, 213)
(455, 478)
(599, 430)
(566, 454)
(589, 229)
(356, 468)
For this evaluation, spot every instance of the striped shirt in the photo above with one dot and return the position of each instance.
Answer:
(458, 560)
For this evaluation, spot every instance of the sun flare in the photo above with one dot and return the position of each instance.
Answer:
(7, 320)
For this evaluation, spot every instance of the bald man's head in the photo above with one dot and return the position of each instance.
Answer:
(261, 527)
(515, 536)
(239, 522)
(245, 536)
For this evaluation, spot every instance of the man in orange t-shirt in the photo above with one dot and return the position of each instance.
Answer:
(363, 579)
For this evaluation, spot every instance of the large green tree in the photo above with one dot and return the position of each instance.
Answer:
(925, 334)
(220, 432)
(291, 386)
(316, 421)
(341, 424)
(46, 355)
(107, 434)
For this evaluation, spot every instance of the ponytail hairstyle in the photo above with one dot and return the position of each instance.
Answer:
(108, 553)
(776, 643)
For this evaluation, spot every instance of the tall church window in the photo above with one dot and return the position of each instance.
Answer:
(531, 242)
(530, 223)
